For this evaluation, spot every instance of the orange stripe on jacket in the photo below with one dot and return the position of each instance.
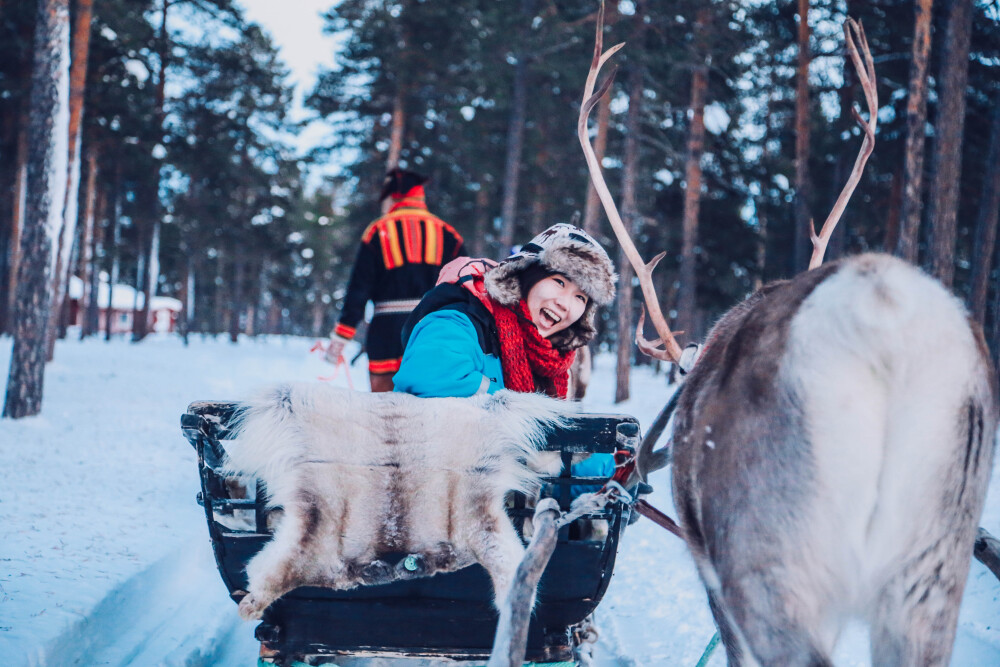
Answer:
(344, 331)
(384, 365)
(413, 240)
(370, 230)
(394, 247)
(439, 231)
(434, 239)
(383, 241)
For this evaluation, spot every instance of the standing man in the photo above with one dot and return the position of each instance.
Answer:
(398, 261)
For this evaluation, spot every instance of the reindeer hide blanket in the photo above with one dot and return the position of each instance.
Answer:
(363, 476)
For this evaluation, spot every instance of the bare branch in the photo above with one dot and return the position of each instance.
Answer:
(866, 75)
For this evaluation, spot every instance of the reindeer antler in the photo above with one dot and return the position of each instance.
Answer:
(866, 75)
(643, 271)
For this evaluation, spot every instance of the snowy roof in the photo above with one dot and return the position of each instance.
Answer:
(125, 297)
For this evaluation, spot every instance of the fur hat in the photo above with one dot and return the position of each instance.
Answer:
(568, 250)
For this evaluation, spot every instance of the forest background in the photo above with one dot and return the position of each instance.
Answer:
(727, 130)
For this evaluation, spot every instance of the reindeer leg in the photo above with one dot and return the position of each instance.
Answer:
(917, 612)
(497, 547)
(735, 651)
(271, 573)
(763, 622)
(295, 556)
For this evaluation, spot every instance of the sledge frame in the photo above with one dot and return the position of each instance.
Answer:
(448, 616)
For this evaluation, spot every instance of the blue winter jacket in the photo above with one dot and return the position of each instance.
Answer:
(451, 348)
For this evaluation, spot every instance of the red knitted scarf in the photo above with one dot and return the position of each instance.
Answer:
(529, 361)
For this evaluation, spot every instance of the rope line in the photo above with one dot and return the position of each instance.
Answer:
(713, 642)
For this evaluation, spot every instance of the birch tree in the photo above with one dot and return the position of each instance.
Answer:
(80, 44)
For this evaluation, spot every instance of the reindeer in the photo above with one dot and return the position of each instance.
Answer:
(831, 446)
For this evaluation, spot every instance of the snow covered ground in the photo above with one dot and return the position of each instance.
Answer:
(104, 555)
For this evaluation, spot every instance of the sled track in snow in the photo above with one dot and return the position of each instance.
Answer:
(175, 612)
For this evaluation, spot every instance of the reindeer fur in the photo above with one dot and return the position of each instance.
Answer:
(831, 454)
(365, 477)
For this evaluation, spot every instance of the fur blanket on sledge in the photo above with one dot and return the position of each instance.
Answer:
(361, 476)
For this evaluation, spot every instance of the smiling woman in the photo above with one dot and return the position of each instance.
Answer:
(515, 325)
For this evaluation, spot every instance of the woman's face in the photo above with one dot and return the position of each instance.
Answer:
(554, 303)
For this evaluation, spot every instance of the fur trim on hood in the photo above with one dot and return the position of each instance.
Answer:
(568, 250)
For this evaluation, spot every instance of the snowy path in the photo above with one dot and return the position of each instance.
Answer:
(173, 612)
(104, 556)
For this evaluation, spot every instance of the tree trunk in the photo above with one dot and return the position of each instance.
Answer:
(916, 113)
(803, 182)
(630, 216)
(17, 217)
(845, 158)
(949, 127)
(539, 209)
(92, 320)
(515, 137)
(895, 204)
(48, 145)
(114, 248)
(140, 280)
(512, 163)
(87, 243)
(250, 325)
(592, 209)
(995, 331)
(762, 200)
(67, 236)
(687, 295)
(481, 220)
(274, 317)
(18, 192)
(398, 126)
(140, 328)
(986, 224)
(185, 318)
(396, 132)
(318, 311)
(218, 305)
(236, 306)
(149, 282)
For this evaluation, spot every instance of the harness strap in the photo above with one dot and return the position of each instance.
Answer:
(624, 466)
(657, 517)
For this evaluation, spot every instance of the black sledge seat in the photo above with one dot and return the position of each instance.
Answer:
(447, 615)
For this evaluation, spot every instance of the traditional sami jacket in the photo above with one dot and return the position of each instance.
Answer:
(398, 261)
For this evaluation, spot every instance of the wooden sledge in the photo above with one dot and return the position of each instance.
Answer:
(445, 616)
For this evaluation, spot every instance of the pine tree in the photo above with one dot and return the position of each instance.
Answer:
(946, 159)
(46, 186)
(916, 109)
